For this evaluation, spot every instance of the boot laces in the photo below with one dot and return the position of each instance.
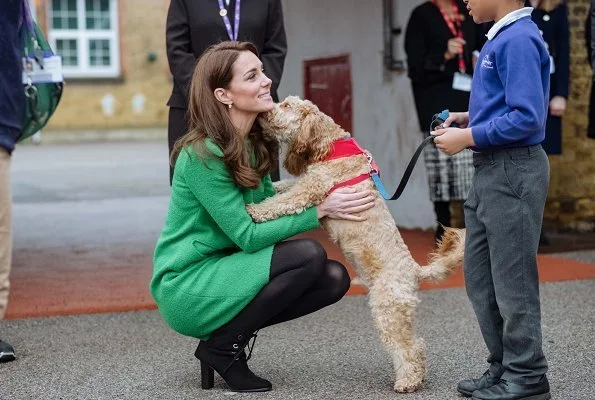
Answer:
(240, 351)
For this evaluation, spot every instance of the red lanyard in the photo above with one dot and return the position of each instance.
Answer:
(456, 30)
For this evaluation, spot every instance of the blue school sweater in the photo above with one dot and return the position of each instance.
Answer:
(510, 91)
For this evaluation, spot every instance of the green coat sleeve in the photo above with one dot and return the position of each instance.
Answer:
(269, 189)
(209, 180)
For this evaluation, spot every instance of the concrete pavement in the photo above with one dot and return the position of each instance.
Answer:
(99, 196)
(334, 354)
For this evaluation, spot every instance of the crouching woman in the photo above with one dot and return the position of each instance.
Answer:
(219, 276)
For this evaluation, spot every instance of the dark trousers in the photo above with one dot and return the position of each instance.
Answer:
(503, 216)
(177, 126)
(443, 217)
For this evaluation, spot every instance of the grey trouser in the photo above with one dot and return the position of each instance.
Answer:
(503, 216)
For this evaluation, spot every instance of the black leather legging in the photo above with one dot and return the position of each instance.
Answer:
(302, 280)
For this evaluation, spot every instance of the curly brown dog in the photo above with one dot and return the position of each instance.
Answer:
(374, 246)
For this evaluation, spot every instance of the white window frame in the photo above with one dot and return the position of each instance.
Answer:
(82, 37)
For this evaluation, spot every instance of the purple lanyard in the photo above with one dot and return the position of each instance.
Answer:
(28, 20)
(223, 12)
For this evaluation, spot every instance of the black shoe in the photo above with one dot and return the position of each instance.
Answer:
(468, 386)
(6, 352)
(505, 390)
(226, 356)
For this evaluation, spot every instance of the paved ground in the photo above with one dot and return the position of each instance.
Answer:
(87, 197)
(333, 354)
(91, 190)
(96, 191)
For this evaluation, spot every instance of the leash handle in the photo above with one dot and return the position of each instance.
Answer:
(437, 120)
(406, 175)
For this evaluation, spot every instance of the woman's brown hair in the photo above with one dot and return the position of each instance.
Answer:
(209, 119)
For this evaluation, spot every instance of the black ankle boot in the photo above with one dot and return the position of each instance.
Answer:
(225, 354)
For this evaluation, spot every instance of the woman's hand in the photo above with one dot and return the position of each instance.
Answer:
(454, 48)
(557, 106)
(344, 203)
(460, 118)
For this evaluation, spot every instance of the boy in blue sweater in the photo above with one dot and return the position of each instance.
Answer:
(503, 212)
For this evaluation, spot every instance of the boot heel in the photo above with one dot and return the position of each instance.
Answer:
(207, 376)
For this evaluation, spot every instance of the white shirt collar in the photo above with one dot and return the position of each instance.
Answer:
(509, 19)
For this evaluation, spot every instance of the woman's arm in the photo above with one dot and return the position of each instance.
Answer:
(275, 45)
(179, 52)
(425, 60)
(214, 187)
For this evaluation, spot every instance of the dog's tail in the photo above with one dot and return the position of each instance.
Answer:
(447, 256)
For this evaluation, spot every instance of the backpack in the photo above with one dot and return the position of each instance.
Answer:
(41, 98)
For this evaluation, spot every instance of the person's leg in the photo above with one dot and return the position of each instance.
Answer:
(516, 199)
(177, 127)
(330, 287)
(6, 350)
(436, 169)
(5, 228)
(298, 265)
(442, 210)
(516, 227)
(479, 284)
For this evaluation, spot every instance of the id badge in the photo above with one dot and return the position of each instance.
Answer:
(48, 71)
(552, 65)
(462, 82)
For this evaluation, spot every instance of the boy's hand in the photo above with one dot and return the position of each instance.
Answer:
(460, 118)
(453, 140)
(557, 106)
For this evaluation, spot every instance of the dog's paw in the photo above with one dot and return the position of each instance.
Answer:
(407, 386)
(256, 214)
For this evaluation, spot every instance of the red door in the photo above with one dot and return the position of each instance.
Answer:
(327, 83)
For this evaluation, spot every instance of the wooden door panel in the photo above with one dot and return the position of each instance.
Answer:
(327, 83)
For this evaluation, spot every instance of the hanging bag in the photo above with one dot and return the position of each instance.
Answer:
(43, 81)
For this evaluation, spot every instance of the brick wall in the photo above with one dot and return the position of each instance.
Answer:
(142, 30)
(571, 200)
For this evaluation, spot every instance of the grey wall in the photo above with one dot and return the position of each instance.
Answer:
(384, 117)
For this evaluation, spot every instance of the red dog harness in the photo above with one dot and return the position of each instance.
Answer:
(345, 148)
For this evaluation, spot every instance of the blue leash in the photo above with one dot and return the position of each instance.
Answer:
(437, 120)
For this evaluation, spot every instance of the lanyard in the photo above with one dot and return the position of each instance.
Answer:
(456, 30)
(233, 35)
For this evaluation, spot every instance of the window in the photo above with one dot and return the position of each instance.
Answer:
(85, 34)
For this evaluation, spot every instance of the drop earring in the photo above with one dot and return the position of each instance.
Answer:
(229, 106)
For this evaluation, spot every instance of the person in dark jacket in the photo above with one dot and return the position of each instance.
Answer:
(440, 40)
(12, 102)
(551, 17)
(193, 26)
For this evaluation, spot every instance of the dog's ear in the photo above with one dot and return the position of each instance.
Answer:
(312, 143)
(295, 163)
